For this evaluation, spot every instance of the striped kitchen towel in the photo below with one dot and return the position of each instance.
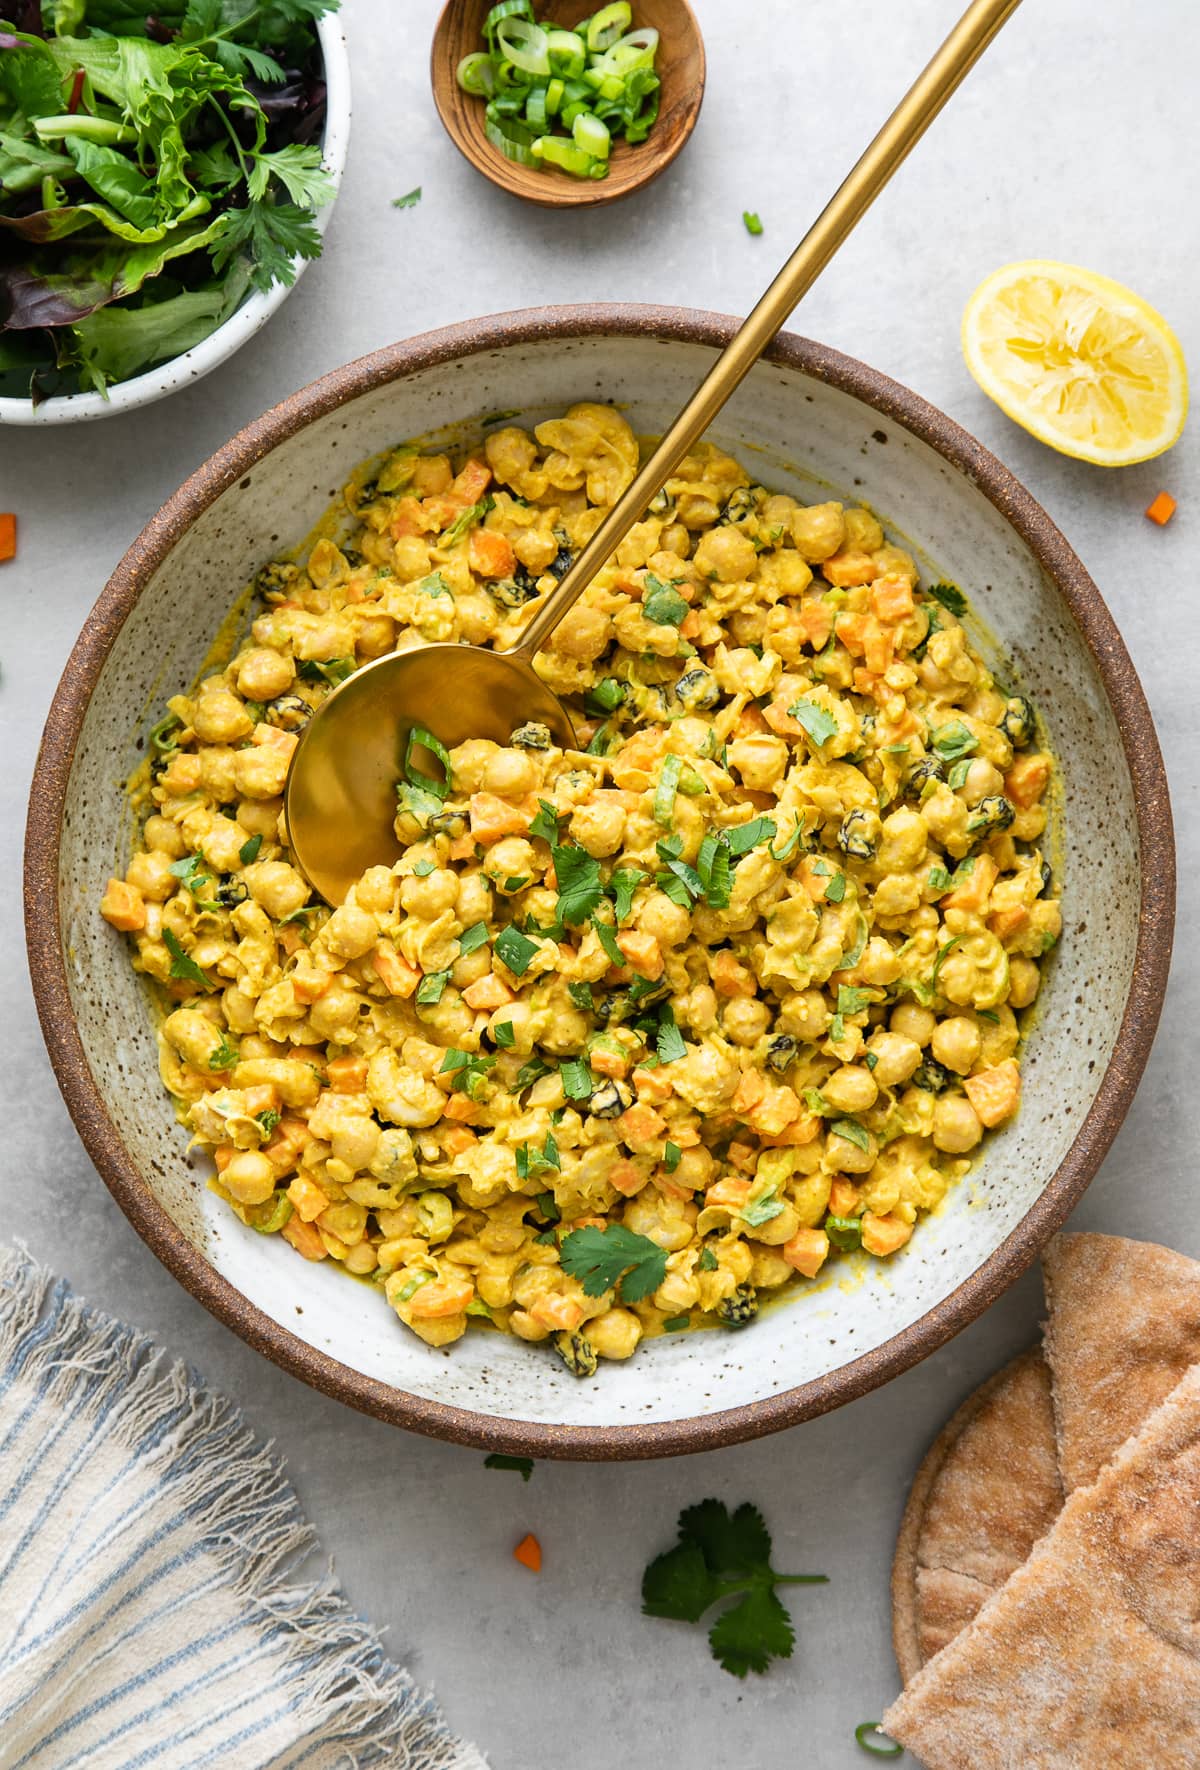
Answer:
(151, 1613)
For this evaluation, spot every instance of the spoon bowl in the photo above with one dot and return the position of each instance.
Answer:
(340, 804)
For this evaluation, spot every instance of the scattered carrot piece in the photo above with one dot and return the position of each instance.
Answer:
(1160, 509)
(529, 1553)
(8, 535)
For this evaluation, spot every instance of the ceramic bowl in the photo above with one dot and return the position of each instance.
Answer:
(250, 317)
(806, 420)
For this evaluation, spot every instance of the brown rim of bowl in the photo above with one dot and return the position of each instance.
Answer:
(530, 1437)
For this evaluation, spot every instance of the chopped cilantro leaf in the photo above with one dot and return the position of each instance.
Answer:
(614, 1259)
(954, 740)
(707, 1261)
(676, 1323)
(577, 1079)
(852, 1131)
(672, 1156)
(664, 792)
(183, 969)
(835, 891)
(577, 875)
(623, 884)
(819, 724)
(472, 938)
(851, 1000)
(420, 738)
(669, 1042)
(950, 597)
(545, 824)
(749, 835)
(608, 941)
(505, 1034)
(662, 605)
(248, 852)
(581, 996)
(514, 950)
(431, 987)
(409, 200)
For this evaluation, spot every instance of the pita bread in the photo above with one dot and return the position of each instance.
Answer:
(1124, 1326)
(986, 1491)
(1090, 1655)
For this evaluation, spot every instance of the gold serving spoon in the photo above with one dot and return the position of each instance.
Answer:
(340, 798)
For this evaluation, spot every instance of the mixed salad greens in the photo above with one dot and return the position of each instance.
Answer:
(154, 169)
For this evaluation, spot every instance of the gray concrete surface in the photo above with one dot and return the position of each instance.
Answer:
(1072, 140)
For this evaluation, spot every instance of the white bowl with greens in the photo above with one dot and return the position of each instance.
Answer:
(158, 198)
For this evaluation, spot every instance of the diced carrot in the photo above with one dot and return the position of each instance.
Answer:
(975, 889)
(440, 509)
(445, 1296)
(807, 1251)
(751, 722)
(310, 983)
(750, 1091)
(473, 481)
(459, 1107)
(780, 720)
(742, 1156)
(730, 977)
(813, 881)
(995, 1093)
(488, 992)
(892, 598)
(529, 1553)
(347, 1075)
(123, 906)
(801, 1130)
(458, 1139)
(1005, 924)
(843, 1197)
(844, 570)
(284, 1145)
(816, 618)
(1160, 509)
(627, 1178)
(308, 1200)
(851, 630)
(878, 646)
(8, 535)
(883, 1235)
(689, 627)
(271, 737)
(642, 951)
(729, 1194)
(408, 519)
(653, 1085)
(562, 1315)
(223, 1154)
(290, 939)
(777, 1109)
(641, 1124)
(462, 848)
(263, 1097)
(305, 1238)
(609, 1063)
(866, 682)
(490, 554)
(398, 977)
(182, 773)
(493, 817)
(1027, 780)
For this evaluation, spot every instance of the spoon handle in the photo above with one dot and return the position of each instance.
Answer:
(899, 135)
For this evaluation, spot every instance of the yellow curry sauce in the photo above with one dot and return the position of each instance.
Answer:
(728, 994)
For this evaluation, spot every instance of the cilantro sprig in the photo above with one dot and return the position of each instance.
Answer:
(720, 1554)
(614, 1259)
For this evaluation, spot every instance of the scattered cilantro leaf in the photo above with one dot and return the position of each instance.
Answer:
(669, 1042)
(513, 949)
(545, 824)
(608, 941)
(819, 724)
(522, 1466)
(420, 738)
(835, 891)
(183, 969)
(954, 740)
(672, 1156)
(852, 1131)
(409, 200)
(950, 597)
(851, 1000)
(707, 1261)
(662, 604)
(577, 875)
(623, 884)
(248, 852)
(664, 792)
(431, 988)
(472, 938)
(225, 1055)
(747, 836)
(676, 1323)
(577, 1079)
(505, 1034)
(581, 996)
(614, 1259)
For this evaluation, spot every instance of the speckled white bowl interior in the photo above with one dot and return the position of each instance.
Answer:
(797, 431)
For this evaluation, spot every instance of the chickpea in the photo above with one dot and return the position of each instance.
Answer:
(535, 550)
(431, 474)
(1024, 981)
(599, 825)
(903, 841)
(698, 1009)
(260, 772)
(913, 1022)
(410, 558)
(259, 817)
(583, 633)
(862, 532)
(818, 531)
(896, 1057)
(334, 1015)
(356, 1140)
(668, 922)
(220, 718)
(676, 539)
(349, 932)
(806, 1015)
(277, 887)
(511, 858)
(238, 1009)
(193, 1035)
(616, 1334)
(760, 760)
(745, 1020)
(163, 837)
(956, 1126)
(510, 773)
(221, 844)
(726, 554)
(845, 1157)
(249, 1177)
(475, 899)
(851, 1089)
(263, 673)
(695, 1170)
(374, 890)
(152, 875)
(426, 898)
(956, 1043)
(361, 1259)
(983, 778)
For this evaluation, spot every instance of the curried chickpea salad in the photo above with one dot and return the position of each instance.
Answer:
(633, 1036)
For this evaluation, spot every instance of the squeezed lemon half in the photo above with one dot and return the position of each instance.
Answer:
(1079, 361)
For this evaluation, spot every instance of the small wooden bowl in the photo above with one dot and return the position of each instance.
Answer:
(680, 65)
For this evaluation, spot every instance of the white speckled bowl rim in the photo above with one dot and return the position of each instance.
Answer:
(1103, 994)
(249, 318)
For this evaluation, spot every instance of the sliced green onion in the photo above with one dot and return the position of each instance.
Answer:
(591, 135)
(513, 140)
(606, 26)
(476, 75)
(664, 793)
(535, 109)
(506, 9)
(576, 108)
(554, 97)
(525, 45)
(637, 50)
(568, 53)
(555, 150)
